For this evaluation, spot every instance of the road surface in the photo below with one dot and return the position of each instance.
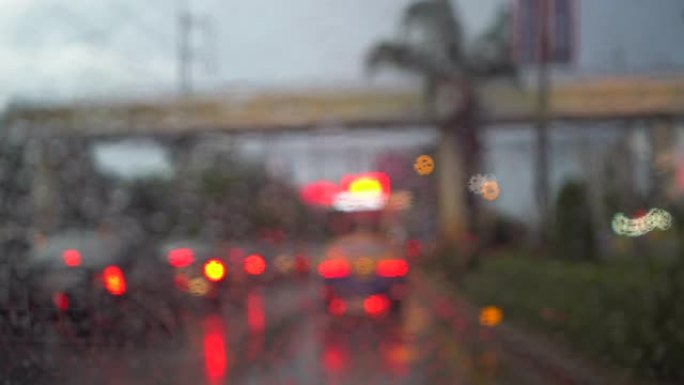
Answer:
(276, 334)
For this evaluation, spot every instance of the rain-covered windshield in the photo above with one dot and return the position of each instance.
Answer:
(341, 192)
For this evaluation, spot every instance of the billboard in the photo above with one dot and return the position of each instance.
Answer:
(527, 25)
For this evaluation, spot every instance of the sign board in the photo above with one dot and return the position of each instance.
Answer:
(527, 24)
(363, 192)
(359, 201)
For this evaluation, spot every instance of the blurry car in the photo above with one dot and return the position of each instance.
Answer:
(363, 273)
(196, 268)
(77, 275)
(15, 311)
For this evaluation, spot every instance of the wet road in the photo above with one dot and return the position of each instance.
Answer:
(279, 334)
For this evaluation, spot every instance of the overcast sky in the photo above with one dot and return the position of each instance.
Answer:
(66, 48)
(102, 48)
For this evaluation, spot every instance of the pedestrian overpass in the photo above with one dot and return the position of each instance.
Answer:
(582, 100)
(659, 101)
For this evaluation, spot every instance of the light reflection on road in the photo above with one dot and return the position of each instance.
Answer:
(256, 322)
(282, 335)
(214, 346)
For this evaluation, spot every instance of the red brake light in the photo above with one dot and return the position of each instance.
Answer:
(334, 268)
(61, 301)
(180, 257)
(376, 304)
(392, 268)
(337, 306)
(114, 280)
(214, 270)
(71, 257)
(255, 264)
(335, 358)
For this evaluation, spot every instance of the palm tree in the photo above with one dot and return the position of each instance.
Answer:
(432, 45)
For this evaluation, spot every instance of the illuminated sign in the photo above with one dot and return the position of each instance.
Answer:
(370, 181)
(348, 201)
(365, 185)
(320, 193)
(364, 192)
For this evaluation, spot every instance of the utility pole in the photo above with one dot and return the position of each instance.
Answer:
(188, 23)
(184, 52)
(544, 81)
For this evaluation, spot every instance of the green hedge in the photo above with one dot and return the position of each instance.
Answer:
(629, 313)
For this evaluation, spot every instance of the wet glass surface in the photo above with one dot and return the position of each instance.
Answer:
(352, 192)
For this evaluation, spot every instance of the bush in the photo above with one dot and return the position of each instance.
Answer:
(621, 312)
(505, 232)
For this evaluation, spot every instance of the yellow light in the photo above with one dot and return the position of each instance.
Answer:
(401, 353)
(424, 165)
(214, 270)
(364, 266)
(284, 263)
(198, 287)
(491, 316)
(365, 185)
(490, 190)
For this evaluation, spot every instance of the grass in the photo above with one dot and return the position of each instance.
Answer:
(617, 311)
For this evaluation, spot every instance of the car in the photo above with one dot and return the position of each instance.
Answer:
(363, 273)
(78, 275)
(195, 268)
(16, 317)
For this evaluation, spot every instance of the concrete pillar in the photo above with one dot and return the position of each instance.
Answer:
(663, 165)
(450, 189)
(44, 185)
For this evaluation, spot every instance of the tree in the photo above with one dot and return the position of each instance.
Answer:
(574, 228)
(433, 46)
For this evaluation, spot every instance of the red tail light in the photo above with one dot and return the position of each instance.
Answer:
(392, 268)
(334, 268)
(214, 270)
(114, 280)
(61, 301)
(335, 358)
(256, 318)
(337, 307)
(71, 257)
(180, 257)
(255, 264)
(376, 305)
